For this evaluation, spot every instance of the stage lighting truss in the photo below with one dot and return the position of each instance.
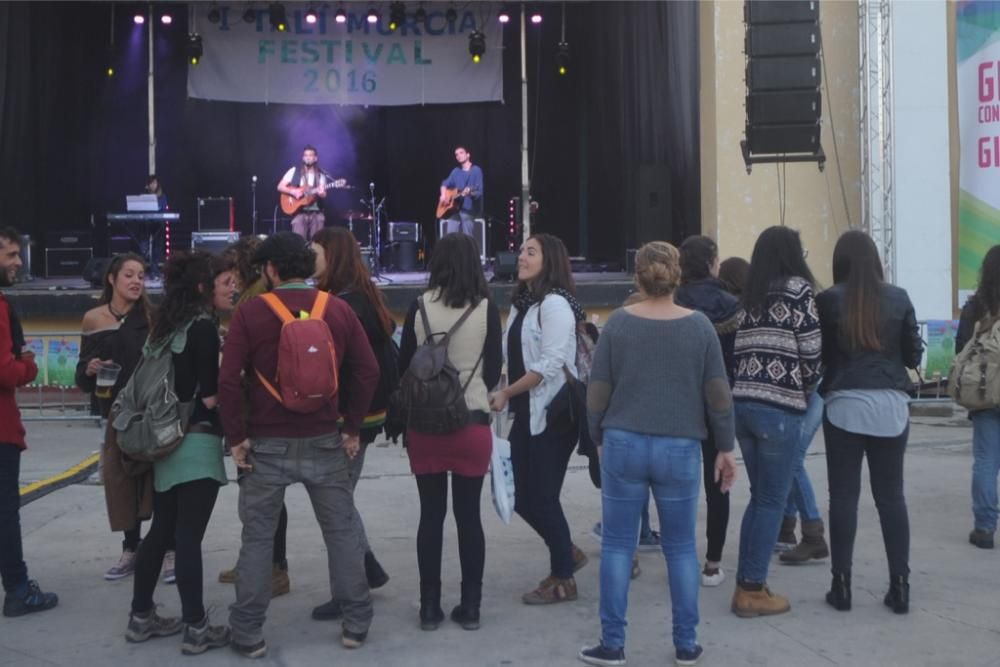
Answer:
(397, 15)
(562, 58)
(193, 49)
(277, 16)
(477, 45)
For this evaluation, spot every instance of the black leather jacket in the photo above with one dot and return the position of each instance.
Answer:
(902, 346)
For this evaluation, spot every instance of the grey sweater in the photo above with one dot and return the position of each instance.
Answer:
(661, 377)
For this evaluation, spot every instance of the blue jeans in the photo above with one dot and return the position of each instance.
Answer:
(801, 498)
(985, 466)
(632, 464)
(769, 439)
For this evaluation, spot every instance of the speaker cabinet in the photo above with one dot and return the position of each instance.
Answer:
(66, 262)
(478, 233)
(213, 242)
(505, 266)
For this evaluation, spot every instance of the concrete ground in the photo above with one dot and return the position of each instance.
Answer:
(954, 618)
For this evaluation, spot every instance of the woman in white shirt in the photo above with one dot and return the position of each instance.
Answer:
(540, 349)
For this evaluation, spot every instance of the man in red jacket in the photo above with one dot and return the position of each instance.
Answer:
(17, 368)
(278, 446)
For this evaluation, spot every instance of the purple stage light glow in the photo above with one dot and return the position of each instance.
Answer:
(138, 19)
(536, 18)
(311, 18)
(166, 19)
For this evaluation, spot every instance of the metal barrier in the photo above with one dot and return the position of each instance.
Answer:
(54, 396)
(931, 384)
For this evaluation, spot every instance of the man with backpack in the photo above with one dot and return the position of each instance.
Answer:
(291, 345)
(17, 368)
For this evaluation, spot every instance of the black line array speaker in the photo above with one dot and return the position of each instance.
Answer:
(783, 75)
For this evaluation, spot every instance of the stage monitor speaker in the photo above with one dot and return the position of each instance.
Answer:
(401, 256)
(213, 242)
(505, 266)
(652, 217)
(216, 214)
(478, 233)
(95, 269)
(783, 101)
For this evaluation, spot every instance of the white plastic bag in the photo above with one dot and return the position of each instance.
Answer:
(502, 479)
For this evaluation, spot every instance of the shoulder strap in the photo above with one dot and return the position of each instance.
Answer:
(423, 319)
(460, 322)
(319, 306)
(280, 309)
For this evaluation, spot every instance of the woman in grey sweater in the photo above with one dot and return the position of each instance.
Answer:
(658, 375)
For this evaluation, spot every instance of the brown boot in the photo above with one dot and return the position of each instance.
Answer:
(579, 558)
(748, 604)
(786, 538)
(280, 585)
(552, 591)
(812, 546)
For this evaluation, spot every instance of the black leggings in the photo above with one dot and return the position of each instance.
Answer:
(717, 520)
(465, 492)
(182, 513)
(844, 452)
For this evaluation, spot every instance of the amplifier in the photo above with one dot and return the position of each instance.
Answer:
(216, 214)
(69, 239)
(404, 231)
(213, 242)
(479, 234)
(66, 261)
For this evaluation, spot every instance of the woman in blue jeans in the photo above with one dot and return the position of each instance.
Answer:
(658, 382)
(777, 364)
(983, 306)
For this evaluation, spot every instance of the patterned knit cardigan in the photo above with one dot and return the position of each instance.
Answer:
(777, 355)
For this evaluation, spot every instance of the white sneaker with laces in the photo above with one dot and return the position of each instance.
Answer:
(713, 579)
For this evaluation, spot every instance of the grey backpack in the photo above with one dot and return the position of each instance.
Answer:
(149, 420)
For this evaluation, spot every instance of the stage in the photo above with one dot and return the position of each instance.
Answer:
(65, 300)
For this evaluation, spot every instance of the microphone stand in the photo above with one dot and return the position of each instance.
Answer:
(253, 196)
(377, 224)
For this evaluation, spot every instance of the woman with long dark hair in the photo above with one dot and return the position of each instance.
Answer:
(870, 338)
(701, 290)
(196, 285)
(340, 271)
(456, 289)
(776, 367)
(540, 348)
(114, 332)
(983, 308)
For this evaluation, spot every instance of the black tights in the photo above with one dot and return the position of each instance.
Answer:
(465, 492)
(717, 519)
(182, 513)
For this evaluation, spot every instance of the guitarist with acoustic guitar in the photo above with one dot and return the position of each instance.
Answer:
(461, 199)
(303, 187)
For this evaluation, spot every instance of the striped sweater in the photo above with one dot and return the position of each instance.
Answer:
(777, 352)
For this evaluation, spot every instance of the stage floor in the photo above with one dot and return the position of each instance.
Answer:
(69, 298)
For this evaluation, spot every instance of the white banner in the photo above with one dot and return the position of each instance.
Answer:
(355, 62)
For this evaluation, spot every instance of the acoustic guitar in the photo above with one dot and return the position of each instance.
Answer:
(452, 201)
(290, 204)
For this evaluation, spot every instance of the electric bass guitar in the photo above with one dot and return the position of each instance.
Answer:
(290, 204)
(452, 201)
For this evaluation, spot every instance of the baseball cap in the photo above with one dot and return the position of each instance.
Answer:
(280, 246)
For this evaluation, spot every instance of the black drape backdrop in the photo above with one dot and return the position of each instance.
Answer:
(73, 142)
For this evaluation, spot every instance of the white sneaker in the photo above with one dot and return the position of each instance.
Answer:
(169, 573)
(714, 579)
(124, 568)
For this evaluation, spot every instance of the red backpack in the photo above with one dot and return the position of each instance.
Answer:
(306, 378)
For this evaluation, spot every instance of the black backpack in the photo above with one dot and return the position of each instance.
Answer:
(431, 397)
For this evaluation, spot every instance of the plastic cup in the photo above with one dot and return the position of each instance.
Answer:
(107, 376)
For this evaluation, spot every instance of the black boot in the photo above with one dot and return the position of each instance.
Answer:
(466, 614)
(377, 577)
(898, 597)
(839, 596)
(431, 614)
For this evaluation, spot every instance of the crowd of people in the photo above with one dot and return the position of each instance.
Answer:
(706, 356)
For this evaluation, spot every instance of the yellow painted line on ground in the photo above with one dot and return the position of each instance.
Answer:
(56, 479)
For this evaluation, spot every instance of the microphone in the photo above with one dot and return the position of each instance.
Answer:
(371, 185)
(253, 179)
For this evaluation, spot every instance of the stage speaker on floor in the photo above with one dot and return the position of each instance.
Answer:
(401, 256)
(95, 269)
(505, 266)
(783, 102)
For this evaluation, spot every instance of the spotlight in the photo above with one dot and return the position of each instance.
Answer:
(166, 19)
(562, 58)
(421, 14)
(477, 45)
(214, 15)
(397, 15)
(451, 15)
(373, 15)
(311, 16)
(536, 18)
(504, 15)
(138, 19)
(110, 71)
(341, 16)
(249, 15)
(277, 16)
(193, 49)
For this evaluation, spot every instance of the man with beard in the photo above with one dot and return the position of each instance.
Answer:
(17, 368)
(306, 178)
